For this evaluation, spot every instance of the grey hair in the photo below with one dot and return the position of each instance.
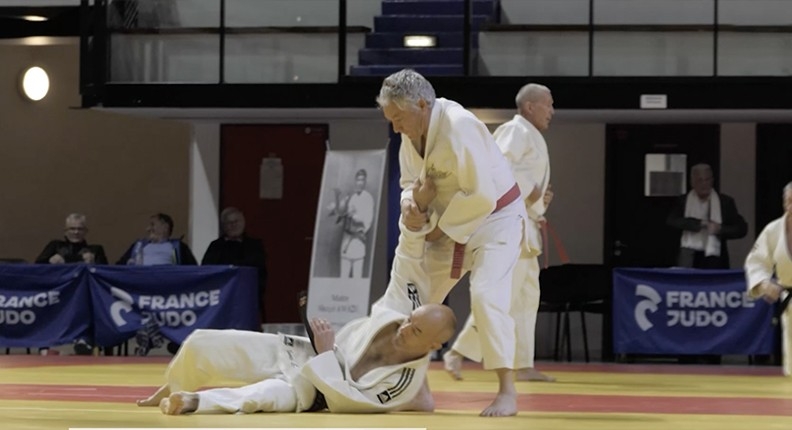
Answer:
(530, 93)
(405, 88)
(700, 169)
(230, 211)
(76, 217)
(788, 188)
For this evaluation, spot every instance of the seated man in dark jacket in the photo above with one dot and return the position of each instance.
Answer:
(705, 219)
(237, 248)
(73, 249)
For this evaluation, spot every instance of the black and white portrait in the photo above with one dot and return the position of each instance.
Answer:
(348, 211)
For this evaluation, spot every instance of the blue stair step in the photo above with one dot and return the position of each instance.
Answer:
(437, 7)
(424, 23)
(396, 40)
(424, 69)
(372, 57)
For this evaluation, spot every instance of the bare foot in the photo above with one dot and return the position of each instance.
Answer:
(452, 362)
(179, 403)
(154, 399)
(533, 375)
(504, 405)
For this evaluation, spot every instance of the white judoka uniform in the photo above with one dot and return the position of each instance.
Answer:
(409, 286)
(769, 258)
(284, 374)
(526, 150)
(470, 175)
(360, 208)
(381, 389)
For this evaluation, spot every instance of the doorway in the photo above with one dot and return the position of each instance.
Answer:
(646, 170)
(286, 216)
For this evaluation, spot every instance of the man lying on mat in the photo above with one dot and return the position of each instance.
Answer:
(374, 364)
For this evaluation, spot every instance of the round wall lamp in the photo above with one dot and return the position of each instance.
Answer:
(35, 83)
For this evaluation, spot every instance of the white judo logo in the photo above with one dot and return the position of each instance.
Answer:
(650, 302)
(124, 303)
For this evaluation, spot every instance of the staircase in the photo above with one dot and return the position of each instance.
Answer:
(444, 19)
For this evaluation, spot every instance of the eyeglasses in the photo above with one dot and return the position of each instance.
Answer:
(76, 228)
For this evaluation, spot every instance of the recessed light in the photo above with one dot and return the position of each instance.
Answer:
(420, 41)
(35, 83)
(35, 18)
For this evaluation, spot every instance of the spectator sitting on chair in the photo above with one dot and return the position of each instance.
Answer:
(236, 248)
(73, 249)
(157, 249)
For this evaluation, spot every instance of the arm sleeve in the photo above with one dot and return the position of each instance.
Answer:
(127, 255)
(409, 173)
(676, 218)
(99, 254)
(734, 225)
(364, 211)
(520, 151)
(48, 252)
(212, 255)
(759, 265)
(477, 196)
(326, 374)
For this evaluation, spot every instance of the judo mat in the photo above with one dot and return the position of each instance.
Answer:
(61, 392)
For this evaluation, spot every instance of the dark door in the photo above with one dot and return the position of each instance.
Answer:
(773, 170)
(638, 200)
(285, 224)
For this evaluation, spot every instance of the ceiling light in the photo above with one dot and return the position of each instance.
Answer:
(420, 41)
(35, 18)
(35, 83)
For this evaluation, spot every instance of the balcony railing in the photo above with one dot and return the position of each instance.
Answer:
(282, 42)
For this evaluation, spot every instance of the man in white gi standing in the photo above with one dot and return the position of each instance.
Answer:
(768, 270)
(521, 141)
(481, 221)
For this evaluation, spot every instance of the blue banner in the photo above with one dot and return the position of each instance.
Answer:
(180, 299)
(40, 305)
(682, 311)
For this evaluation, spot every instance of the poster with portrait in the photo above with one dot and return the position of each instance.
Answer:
(345, 234)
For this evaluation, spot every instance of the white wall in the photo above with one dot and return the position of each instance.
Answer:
(204, 200)
(737, 179)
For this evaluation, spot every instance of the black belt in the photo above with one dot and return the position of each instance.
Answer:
(782, 306)
(319, 402)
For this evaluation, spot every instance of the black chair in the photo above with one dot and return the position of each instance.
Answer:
(583, 288)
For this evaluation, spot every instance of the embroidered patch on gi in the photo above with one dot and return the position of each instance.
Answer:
(435, 173)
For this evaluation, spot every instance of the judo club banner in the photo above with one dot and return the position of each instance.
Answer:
(344, 236)
(678, 311)
(178, 299)
(38, 308)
